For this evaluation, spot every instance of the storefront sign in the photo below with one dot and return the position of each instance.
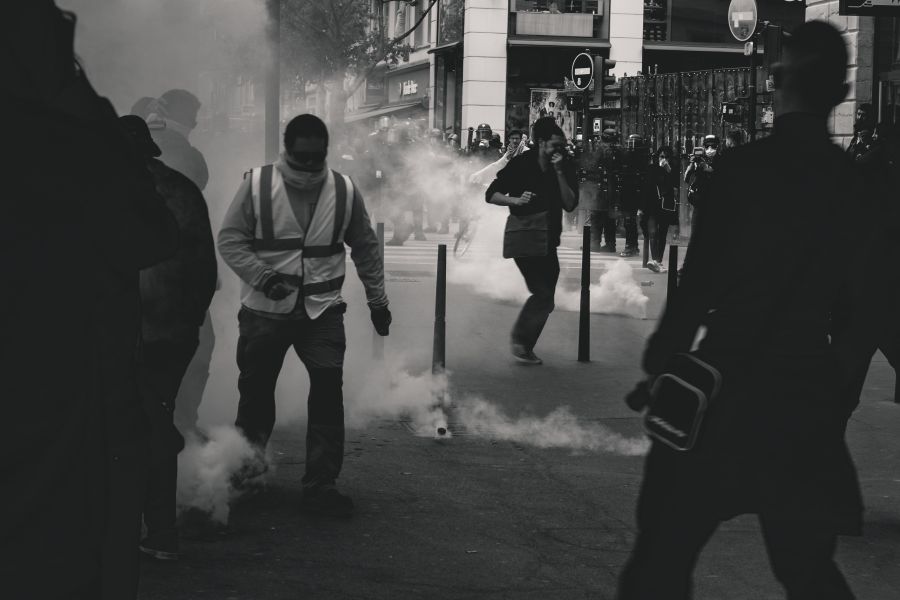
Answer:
(408, 85)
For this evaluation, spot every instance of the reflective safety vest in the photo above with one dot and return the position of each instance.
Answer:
(313, 260)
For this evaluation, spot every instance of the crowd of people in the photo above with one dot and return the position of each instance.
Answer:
(110, 269)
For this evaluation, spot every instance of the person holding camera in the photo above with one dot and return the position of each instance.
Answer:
(699, 174)
(536, 186)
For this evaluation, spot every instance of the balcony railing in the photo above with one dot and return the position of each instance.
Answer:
(564, 18)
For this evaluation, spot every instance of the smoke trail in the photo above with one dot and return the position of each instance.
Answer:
(392, 391)
(617, 292)
(205, 469)
(559, 429)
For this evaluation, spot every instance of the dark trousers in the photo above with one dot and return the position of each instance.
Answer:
(193, 384)
(631, 228)
(541, 274)
(656, 230)
(320, 345)
(161, 369)
(603, 227)
(676, 518)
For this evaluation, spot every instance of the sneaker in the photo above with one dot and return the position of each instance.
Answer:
(653, 266)
(525, 356)
(162, 545)
(326, 501)
(605, 249)
(629, 252)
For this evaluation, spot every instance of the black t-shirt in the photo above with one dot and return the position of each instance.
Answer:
(524, 174)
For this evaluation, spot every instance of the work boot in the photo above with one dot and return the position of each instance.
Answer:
(326, 501)
(629, 252)
(161, 545)
(250, 474)
(604, 249)
(525, 356)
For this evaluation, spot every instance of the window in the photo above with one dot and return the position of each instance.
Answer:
(450, 21)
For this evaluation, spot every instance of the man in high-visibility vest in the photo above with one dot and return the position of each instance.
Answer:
(284, 236)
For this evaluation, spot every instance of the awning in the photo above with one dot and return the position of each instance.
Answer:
(547, 40)
(692, 47)
(422, 64)
(380, 112)
(445, 47)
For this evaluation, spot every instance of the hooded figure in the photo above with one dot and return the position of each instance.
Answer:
(178, 109)
(81, 224)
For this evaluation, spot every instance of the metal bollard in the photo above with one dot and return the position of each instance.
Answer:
(584, 317)
(647, 247)
(672, 286)
(438, 356)
(377, 340)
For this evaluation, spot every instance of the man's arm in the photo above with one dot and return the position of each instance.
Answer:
(366, 252)
(566, 179)
(498, 192)
(236, 240)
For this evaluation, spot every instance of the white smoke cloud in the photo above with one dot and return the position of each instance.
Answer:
(392, 391)
(484, 271)
(205, 468)
(559, 429)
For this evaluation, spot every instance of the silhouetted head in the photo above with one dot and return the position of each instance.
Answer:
(306, 143)
(811, 76)
(181, 106)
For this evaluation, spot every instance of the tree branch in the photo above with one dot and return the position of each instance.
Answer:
(359, 80)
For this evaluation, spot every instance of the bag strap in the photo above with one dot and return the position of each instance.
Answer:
(340, 207)
(265, 203)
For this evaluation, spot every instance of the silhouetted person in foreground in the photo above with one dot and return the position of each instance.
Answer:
(81, 218)
(772, 443)
(175, 295)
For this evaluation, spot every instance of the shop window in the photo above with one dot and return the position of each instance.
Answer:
(450, 21)
(590, 7)
(656, 20)
(706, 21)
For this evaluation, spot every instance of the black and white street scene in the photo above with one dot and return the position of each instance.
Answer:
(450, 300)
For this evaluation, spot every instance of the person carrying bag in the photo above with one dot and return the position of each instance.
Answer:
(536, 186)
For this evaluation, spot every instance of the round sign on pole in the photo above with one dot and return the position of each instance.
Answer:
(583, 71)
(742, 19)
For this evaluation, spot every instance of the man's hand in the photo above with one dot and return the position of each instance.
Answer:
(557, 161)
(381, 319)
(522, 200)
(639, 398)
(277, 287)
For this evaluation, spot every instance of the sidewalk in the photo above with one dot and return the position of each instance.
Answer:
(474, 518)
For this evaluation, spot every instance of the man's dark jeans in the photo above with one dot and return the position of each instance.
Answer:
(541, 274)
(190, 394)
(160, 370)
(320, 344)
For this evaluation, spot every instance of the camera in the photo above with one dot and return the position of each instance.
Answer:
(699, 155)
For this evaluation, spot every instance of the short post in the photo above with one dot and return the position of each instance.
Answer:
(647, 245)
(584, 317)
(377, 340)
(673, 272)
(438, 360)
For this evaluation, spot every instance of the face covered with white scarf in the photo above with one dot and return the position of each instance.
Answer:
(303, 165)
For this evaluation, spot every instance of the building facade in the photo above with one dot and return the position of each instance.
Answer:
(503, 62)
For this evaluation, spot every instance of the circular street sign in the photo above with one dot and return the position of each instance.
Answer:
(742, 17)
(583, 71)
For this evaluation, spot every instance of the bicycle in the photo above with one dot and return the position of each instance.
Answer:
(464, 237)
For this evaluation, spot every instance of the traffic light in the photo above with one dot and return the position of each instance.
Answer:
(773, 37)
(575, 102)
(602, 80)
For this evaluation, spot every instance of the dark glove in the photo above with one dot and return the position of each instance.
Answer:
(381, 319)
(639, 398)
(277, 287)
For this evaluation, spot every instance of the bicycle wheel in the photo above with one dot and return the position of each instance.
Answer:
(464, 241)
